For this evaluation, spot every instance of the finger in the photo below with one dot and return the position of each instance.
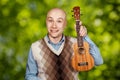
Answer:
(83, 31)
(81, 28)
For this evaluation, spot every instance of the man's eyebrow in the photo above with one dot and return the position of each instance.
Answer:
(58, 18)
(61, 18)
(49, 17)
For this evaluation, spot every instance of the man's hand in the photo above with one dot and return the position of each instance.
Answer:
(83, 30)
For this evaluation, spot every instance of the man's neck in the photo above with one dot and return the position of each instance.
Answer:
(55, 40)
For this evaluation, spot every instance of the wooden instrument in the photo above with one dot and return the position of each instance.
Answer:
(81, 59)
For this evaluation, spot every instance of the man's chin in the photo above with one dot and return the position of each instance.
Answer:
(54, 36)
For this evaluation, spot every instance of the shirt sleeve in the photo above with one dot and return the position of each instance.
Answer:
(31, 68)
(94, 51)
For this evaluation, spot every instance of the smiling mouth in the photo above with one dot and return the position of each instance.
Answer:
(54, 31)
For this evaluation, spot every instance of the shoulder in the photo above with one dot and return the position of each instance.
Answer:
(37, 43)
(36, 49)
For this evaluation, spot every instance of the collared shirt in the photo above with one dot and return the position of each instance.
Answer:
(31, 69)
(57, 45)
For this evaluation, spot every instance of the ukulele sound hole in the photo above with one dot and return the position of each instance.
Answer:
(81, 50)
(83, 64)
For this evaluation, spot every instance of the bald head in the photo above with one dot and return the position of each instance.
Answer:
(56, 11)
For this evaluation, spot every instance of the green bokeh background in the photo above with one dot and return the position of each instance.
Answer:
(23, 22)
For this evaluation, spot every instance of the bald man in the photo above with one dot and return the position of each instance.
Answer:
(50, 57)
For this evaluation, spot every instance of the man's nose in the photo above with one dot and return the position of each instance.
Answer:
(54, 24)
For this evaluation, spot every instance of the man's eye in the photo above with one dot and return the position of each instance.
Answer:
(59, 21)
(50, 20)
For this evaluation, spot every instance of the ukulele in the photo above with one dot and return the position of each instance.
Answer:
(81, 59)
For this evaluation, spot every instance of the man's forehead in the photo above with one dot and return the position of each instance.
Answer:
(56, 11)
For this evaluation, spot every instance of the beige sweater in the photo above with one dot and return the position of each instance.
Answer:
(52, 64)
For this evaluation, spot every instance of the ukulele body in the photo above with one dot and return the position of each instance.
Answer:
(82, 61)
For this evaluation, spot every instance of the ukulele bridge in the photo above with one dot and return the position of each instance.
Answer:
(82, 63)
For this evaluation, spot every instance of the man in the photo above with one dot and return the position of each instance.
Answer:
(50, 57)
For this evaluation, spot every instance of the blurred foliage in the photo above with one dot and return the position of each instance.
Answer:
(23, 22)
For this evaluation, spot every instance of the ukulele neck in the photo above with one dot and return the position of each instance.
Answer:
(79, 38)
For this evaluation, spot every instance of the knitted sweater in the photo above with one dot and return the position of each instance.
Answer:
(52, 64)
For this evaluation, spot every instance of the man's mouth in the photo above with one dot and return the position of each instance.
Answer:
(54, 31)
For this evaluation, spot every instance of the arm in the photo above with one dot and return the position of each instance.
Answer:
(31, 68)
(94, 51)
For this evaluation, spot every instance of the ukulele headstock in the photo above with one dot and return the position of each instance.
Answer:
(76, 11)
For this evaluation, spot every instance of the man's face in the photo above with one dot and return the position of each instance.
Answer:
(56, 22)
